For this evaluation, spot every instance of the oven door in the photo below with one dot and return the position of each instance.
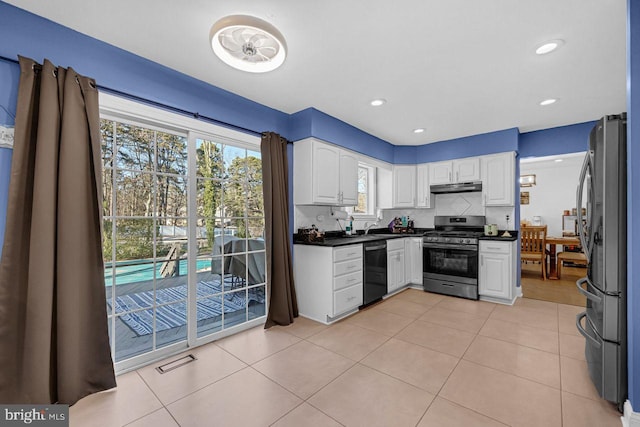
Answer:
(451, 261)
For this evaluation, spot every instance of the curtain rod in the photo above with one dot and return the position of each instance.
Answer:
(195, 115)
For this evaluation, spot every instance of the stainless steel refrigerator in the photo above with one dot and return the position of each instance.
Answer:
(604, 240)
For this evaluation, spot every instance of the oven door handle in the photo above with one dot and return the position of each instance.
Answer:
(472, 248)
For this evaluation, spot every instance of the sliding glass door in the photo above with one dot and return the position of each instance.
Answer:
(183, 237)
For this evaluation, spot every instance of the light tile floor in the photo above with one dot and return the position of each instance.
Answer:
(416, 359)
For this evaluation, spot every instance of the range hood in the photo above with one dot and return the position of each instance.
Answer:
(461, 187)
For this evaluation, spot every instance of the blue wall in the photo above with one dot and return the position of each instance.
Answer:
(560, 140)
(476, 145)
(312, 122)
(633, 200)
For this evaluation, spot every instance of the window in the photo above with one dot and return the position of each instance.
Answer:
(366, 192)
(183, 232)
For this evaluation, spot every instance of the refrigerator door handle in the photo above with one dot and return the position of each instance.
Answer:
(586, 248)
(593, 297)
(584, 333)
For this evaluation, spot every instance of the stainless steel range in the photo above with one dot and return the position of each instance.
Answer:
(450, 256)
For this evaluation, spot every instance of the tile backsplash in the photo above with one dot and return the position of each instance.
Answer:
(445, 204)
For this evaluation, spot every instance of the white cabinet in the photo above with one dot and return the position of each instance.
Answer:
(452, 171)
(466, 170)
(395, 264)
(497, 271)
(328, 281)
(404, 186)
(348, 188)
(424, 198)
(413, 260)
(498, 179)
(324, 174)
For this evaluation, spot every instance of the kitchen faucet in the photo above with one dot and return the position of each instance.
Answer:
(367, 227)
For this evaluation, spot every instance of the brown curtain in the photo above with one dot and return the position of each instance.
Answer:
(54, 342)
(283, 306)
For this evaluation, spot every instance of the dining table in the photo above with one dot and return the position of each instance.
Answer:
(552, 242)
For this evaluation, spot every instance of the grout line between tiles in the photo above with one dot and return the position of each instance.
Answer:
(473, 410)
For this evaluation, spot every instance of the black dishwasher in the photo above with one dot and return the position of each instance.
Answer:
(375, 271)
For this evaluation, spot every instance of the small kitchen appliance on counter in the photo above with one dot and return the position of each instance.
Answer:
(491, 230)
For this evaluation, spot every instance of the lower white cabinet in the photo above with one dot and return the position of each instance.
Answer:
(328, 281)
(395, 265)
(413, 260)
(497, 273)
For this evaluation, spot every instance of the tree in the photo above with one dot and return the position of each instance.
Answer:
(243, 195)
(210, 167)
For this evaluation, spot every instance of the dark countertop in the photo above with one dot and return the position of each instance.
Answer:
(339, 239)
(498, 238)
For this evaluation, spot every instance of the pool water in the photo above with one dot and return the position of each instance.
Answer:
(144, 271)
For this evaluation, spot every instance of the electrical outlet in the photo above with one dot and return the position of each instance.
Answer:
(507, 217)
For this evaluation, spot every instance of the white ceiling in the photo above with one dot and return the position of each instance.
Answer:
(454, 67)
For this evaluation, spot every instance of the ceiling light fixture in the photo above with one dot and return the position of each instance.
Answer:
(548, 101)
(549, 47)
(378, 102)
(248, 43)
(418, 130)
(557, 160)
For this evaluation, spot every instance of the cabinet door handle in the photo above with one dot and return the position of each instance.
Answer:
(351, 267)
(481, 260)
(457, 176)
(351, 280)
(493, 248)
(449, 176)
(351, 298)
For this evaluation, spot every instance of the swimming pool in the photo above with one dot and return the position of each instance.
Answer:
(144, 271)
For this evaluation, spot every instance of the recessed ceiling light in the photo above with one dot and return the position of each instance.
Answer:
(378, 102)
(248, 43)
(557, 160)
(548, 101)
(549, 47)
(418, 130)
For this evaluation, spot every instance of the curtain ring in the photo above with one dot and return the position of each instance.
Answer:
(92, 84)
(55, 73)
(77, 80)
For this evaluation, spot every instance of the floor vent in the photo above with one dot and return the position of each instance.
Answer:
(163, 369)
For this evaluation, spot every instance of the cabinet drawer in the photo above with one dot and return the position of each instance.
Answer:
(395, 244)
(347, 299)
(347, 252)
(490, 246)
(344, 267)
(347, 280)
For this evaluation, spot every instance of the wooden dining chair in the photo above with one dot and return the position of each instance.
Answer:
(533, 246)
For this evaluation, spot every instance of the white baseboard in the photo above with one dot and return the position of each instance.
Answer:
(630, 418)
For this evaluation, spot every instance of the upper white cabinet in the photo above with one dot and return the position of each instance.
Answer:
(498, 179)
(404, 186)
(461, 170)
(348, 179)
(424, 198)
(324, 174)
